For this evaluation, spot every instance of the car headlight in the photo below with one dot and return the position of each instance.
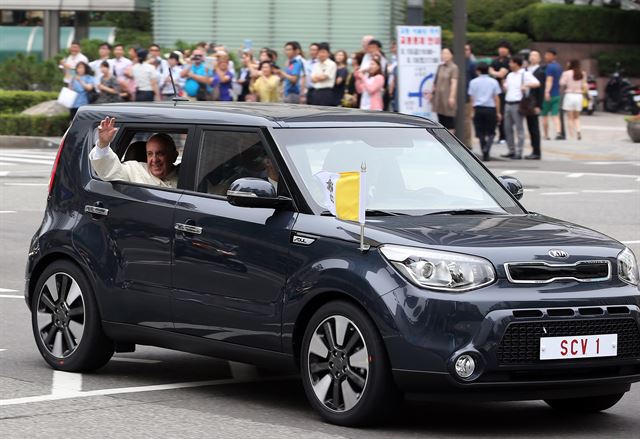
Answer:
(440, 270)
(628, 267)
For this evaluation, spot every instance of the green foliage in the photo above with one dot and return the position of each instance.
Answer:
(17, 101)
(581, 24)
(22, 125)
(629, 60)
(486, 43)
(133, 37)
(481, 14)
(125, 20)
(27, 73)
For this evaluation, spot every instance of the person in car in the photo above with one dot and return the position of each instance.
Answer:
(158, 170)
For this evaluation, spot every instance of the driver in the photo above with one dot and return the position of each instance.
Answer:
(159, 169)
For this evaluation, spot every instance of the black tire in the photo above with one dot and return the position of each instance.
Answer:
(589, 404)
(378, 397)
(73, 340)
(610, 105)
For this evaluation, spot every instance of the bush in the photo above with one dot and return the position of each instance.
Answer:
(22, 125)
(17, 101)
(481, 13)
(579, 24)
(486, 43)
(27, 73)
(629, 60)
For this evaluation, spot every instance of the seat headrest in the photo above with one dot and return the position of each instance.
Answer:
(136, 151)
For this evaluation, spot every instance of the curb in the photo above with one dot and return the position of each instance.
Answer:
(29, 142)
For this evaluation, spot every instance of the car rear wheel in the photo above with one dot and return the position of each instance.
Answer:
(65, 320)
(345, 369)
(590, 404)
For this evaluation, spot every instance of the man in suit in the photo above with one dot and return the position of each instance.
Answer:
(533, 121)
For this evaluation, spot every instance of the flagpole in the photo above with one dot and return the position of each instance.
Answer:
(363, 247)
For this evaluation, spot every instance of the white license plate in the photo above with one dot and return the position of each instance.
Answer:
(593, 92)
(636, 98)
(586, 346)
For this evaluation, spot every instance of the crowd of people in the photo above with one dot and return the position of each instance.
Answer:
(502, 95)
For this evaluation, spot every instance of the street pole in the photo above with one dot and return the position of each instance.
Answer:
(51, 34)
(459, 41)
(415, 12)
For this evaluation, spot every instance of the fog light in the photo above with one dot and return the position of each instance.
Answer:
(465, 366)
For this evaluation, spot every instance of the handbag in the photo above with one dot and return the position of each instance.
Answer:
(527, 106)
(67, 97)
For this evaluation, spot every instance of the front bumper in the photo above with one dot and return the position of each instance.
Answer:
(434, 329)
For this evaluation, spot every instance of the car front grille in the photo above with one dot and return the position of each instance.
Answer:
(545, 272)
(521, 341)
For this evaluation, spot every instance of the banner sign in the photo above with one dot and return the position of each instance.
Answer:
(418, 58)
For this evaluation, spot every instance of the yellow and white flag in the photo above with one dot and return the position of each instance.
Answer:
(345, 194)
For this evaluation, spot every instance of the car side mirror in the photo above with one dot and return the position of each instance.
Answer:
(255, 192)
(513, 185)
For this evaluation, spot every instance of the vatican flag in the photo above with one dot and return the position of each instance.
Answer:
(344, 194)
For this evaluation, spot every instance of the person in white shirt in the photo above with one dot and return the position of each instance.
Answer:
(145, 77)
(120, 63)
(308, 65)
(104, 52)
(165, 83)
(69, 63)
(323, 77)
(516, 86)
(159, 170)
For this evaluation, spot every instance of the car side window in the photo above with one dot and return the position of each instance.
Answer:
(226, 156)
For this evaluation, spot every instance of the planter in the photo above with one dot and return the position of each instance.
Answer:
(633, 128)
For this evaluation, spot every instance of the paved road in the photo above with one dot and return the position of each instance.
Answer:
(155, 392)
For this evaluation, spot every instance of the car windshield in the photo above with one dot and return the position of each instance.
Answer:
(411, 171)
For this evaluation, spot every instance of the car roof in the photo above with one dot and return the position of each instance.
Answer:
(253, 114)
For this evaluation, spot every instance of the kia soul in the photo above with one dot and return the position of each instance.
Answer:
(452, 289)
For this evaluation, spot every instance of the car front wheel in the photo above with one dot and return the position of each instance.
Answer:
(345, 369)
(65, 320)
(590, 404)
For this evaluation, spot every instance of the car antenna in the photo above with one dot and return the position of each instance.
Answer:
(175, 97)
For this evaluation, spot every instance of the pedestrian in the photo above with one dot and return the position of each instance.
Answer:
(174, 64)
(145, 76)
(370, 84)
(82, 83)
(267, 84)
(249, 69)
(222, 81)
(323, 77)
(499, 69)
(309, 64)
(533, 120)
(104, 54)
(516, 85)
(574, 83)
(120, 62)
(445, 86)
(352, 96)
(392, 77)
(198, 77)
(551, 105)
(162, 65)
(374, 50)
(342, 72)
(470, 69)
(290, 75)
(484, 97)
(108, 87)
(69, 63)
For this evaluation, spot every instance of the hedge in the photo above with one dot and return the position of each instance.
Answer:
(23, 125)
(15, 101)
(577, 24)
(629, 60)
(481, 13)
(486, 43)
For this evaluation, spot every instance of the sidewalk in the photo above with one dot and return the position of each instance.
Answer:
(604, 138)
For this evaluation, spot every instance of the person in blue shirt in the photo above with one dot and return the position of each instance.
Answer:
(551, 104)
(198, 77)
(82, 83)
(291, 74)
(484, 94)
(222, 78)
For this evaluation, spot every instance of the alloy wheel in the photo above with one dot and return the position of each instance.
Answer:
(338, 363)
(60, 315)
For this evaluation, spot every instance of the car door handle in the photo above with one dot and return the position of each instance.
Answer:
(188, 228)
(96, 209)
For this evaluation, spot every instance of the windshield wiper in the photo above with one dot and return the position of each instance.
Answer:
(370, 212)
(464, 212)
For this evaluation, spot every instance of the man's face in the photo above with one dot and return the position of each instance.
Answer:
(104, 51)
(223, 63)
(513, 66)
(503, 52)
(313, 51)
(289, 51)
(197, 56)
(74, 49)
(549, 57)
(467, 50)
(372, 49)
(118, 52)
(323, 55)
(154, 51)
(160, 158)
(534, 57)
(365, 41)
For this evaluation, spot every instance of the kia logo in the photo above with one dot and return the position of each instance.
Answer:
(557, 253)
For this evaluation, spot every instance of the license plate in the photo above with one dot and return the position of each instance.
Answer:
(586, 346)
(593, 92)
(636, 98)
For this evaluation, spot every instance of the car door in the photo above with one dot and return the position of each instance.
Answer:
(230, 263)
(128, 228)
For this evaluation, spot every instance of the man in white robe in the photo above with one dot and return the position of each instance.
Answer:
(159, 169)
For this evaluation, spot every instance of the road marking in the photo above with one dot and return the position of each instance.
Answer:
(135, 360)
(602, 128)
(10, 296)
(7, 211)
(590, 174)
(34, 155)
(26, 184)
(4, 173)
(65, 383)
(509, 171)
(575, 175)
(2, 350)
(7, 164)
(138, 389)
(558, 193)
(21, 160)
(243, 371)
(630, 242)
(609, 191)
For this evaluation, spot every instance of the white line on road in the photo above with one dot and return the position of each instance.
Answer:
(7, 211)
(6, 290)
(630, 242)
(10, 296)
(558, 193)
(138, 389)
(609, 191)
(135, 360)
(4, 173)
(8, 164)
(575, 175)
(590, 174)
(1, 350)
(509, 171)
(21, 160)
(26, 184)
(65, 383)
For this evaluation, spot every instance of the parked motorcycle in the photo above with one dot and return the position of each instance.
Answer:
(620, 94)
(590, 100)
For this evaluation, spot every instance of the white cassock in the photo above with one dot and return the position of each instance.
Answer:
(108, 166)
